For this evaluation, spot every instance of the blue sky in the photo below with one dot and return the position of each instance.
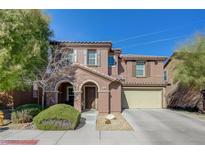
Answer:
(148, 32)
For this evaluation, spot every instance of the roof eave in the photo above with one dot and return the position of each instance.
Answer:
(145, 58)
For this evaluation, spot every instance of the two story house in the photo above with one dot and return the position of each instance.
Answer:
(100, 77)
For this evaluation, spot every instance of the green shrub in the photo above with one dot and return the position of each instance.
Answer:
(21, 117)
(57, 117)
(33, 109)
(25, 113)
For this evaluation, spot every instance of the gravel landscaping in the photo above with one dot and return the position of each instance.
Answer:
(9, 125)
(117, 124)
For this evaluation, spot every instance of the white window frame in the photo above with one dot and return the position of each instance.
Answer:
(140, 62)
(88, 58)
(67, 92)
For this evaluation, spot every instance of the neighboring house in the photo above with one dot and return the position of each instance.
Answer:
(102, 78)
(177, 96)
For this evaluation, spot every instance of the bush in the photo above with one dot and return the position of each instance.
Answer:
(25, 113)
(33, 109)
(57, 117)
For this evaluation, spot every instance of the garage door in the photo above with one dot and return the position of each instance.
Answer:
(138, 98)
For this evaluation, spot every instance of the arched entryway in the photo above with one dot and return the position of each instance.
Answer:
(66, 93)
(89, 95)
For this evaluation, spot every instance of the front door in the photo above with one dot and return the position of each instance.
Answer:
(90, 96)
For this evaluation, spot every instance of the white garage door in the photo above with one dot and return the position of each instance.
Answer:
(142, 98)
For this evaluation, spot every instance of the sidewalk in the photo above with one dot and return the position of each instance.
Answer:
(85, 134)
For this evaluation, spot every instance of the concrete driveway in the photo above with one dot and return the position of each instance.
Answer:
(161, 126)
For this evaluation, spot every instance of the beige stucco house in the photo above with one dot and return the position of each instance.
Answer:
(101, 77)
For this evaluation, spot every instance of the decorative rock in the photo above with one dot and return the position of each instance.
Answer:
(107, 121)
(110, 117)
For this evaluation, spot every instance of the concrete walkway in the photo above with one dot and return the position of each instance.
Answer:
(151, 127)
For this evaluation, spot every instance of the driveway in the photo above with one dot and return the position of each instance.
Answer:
(162, 126)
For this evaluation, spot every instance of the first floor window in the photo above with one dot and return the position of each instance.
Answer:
(70, 94)
(92, 57)
(140, 69)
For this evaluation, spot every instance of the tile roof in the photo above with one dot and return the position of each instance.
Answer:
(135, 57)
(154, 84)
(82, 42)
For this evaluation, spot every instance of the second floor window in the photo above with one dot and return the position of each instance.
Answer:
(70, 57)
(67, 57)
(111, 60)
(165, 76)
(92, 57)
(140, 69)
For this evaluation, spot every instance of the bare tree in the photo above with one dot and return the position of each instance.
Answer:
(59, 58)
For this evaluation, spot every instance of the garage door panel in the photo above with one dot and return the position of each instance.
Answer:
(135, 98)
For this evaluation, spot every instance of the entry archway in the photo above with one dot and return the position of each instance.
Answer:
(65, 93)
(89, 95)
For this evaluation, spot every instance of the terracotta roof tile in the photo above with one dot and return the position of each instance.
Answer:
(136, 57)
(144, 84)
(81, 42)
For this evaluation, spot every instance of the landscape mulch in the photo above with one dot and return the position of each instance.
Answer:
(118, 124)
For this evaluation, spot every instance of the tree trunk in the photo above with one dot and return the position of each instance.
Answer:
(42, 103)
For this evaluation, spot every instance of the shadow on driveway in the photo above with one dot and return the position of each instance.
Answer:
(3, 129)
(82, 123)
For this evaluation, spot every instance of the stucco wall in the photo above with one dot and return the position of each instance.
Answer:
(115, 97)
(81, 77)
(155, 72)
(170, 69)
(103, 62)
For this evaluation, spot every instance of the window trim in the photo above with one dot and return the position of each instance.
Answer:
(144, 69)
(96, 57)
